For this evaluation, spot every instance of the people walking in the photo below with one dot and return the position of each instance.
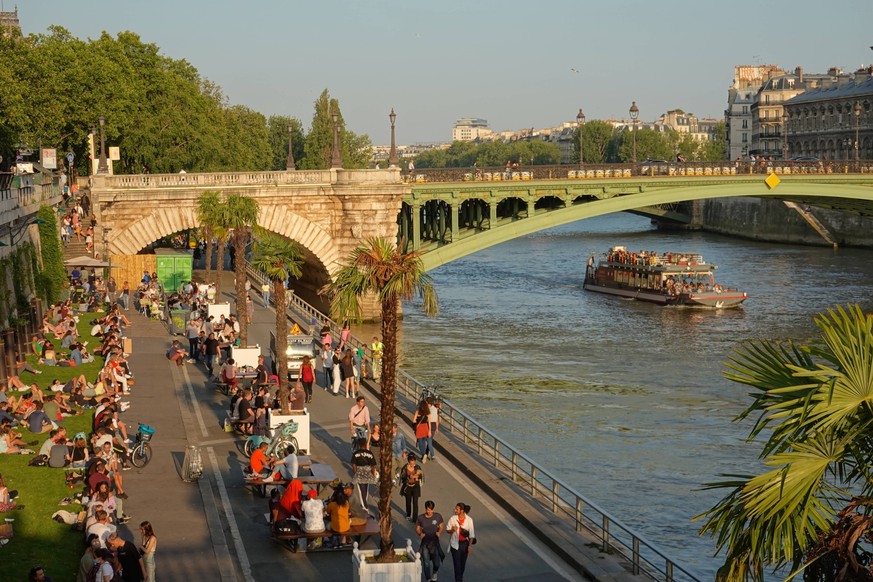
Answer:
(307, 377)
(377, 348)
(364, 470)
(410, 487)
(429, 526)
(463, 537)
(422, 429)
(265, 293)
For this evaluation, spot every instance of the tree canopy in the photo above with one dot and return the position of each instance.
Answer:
(161, 113)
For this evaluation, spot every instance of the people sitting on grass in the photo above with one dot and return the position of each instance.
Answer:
(37, 420)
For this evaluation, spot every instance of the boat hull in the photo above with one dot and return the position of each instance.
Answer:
(723, 300)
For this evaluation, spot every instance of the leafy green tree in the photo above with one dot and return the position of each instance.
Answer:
(247, 139)
(596, 137)
(277, 129)
(209, 216)
(240, 216)
(813, 401)
(650, 144)
(279, 258)
(380, 268)
(714, 150)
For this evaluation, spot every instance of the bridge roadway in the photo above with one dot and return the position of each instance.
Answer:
(215, 529)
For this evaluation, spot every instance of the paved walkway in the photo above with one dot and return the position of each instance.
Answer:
(215, 529)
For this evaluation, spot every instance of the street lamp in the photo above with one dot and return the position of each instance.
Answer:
(580, 121)
(634, 114)
(17, 231)
(784, 134)
(289, 163)
(392, 155)
(336, 159)
(103, 166)
(857, 124)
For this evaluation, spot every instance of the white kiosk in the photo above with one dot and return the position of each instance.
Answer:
(218, 309)
(245, 356)
(301, 417)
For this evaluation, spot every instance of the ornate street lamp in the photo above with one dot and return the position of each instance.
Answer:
(102, 166)
(392, 155)
(634, 115)
(336, 159)
(289, 163)
(784, 134)
(580, 121)
(857, 124)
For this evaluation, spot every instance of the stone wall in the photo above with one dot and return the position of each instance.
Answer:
(770, 220)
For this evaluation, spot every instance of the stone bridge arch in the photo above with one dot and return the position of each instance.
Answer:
(164, 221)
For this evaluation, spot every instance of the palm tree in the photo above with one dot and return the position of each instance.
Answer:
(380, 268)
(208, 209)
(279, 258)
(816, 403)
(221, 235)
(240, 216)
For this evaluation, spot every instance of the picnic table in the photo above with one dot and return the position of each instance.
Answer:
(312, 474)
(360, 531)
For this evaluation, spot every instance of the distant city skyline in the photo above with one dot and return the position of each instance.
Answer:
(513, 63)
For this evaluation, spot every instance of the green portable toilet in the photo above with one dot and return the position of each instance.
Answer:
(173, 267)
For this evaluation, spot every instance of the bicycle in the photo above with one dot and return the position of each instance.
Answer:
(281, 444)
(141, 452)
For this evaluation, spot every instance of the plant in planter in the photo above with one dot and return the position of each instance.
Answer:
(381, 268)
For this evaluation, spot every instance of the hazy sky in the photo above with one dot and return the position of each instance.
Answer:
(507, 61)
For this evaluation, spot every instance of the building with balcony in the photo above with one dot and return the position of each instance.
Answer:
(768, 139)
(738, 115)
(835, 120)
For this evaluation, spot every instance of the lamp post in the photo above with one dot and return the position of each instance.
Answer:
(634, 115)
(103, 166)
(336, 159)
(784, 134)
(857, 125)
(580, 121)
(392, 155)
(289, 163)
(19, 230)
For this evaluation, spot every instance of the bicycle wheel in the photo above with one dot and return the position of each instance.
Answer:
(249, 447)
(141, 455)
(286, 447)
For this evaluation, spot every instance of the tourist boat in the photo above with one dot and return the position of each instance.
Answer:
(682, 279)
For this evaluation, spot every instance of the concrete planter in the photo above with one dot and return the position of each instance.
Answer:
(406, 571)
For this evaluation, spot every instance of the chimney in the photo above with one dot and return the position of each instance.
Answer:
(798, 72)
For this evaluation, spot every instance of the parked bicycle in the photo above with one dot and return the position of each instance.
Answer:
(141, 452)
(281, 443)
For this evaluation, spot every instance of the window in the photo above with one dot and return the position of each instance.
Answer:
(745, 108)
(745, 138)
(745, 124)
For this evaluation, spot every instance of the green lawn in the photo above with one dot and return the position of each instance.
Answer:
(39, 540)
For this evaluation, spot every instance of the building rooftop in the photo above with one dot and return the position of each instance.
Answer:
(861, 85)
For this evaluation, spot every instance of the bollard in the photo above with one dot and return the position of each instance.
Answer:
(4, 377)
(9, 353)
(37, 306)
(21, 339)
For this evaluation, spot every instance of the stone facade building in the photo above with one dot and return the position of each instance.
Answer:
(835, 120)
(470, 129)
(738, 115)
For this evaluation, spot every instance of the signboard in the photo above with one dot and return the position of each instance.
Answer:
(114, 153)
(49, 157)
(70, 158)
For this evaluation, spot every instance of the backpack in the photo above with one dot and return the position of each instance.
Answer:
(93, 572)
(39, 461)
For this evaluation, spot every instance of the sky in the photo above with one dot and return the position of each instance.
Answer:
(516, 64)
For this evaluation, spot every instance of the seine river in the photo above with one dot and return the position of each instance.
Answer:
(624, 401)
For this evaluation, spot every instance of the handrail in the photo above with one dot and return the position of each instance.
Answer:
(558, 497)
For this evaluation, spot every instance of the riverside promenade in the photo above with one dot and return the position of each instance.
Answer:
(215, 528)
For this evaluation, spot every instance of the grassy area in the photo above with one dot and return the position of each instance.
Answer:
(39, 540)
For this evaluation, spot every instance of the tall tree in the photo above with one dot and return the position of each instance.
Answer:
(596, 137)
(240, 216)
(319, 140)
(277, 128)
(209, 216)
(814, 400)
(279, 258)
(380, 268)
(650, 144)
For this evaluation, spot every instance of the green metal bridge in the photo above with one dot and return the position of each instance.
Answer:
(452, 213)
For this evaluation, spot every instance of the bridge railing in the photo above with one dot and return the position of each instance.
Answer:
(562, 500)
(640, 169)
(217, 179)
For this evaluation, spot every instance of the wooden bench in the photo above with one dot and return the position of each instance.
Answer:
(359, 533)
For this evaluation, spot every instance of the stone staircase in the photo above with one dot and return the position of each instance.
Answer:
(76, 249)
(814, 222)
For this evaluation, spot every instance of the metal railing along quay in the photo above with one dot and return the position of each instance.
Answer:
(613, 537)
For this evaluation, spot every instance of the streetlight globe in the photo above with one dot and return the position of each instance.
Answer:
(580, 117)
(634, 111)
(857, 109)
(392, 116)
(335, 117)
(102, 121)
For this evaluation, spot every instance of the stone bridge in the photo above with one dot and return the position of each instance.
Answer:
(327, 211)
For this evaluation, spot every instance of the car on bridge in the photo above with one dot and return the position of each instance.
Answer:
(651, 166)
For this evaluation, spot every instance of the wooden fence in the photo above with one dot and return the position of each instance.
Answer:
(131, 267)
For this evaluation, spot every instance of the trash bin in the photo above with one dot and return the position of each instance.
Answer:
(192, 466)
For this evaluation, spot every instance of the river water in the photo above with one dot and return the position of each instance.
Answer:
(623, 400)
